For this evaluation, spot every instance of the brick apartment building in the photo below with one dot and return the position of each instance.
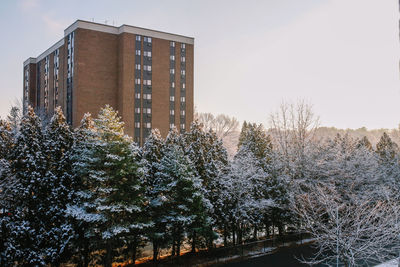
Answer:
(146, 75)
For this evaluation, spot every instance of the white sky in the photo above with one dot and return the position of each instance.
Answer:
(340, 55)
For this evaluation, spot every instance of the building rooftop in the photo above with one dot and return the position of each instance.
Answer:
(114, 30)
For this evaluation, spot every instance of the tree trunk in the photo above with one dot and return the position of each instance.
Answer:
(86, 253)
(173, 245)
(225, 236)
(108, 261)
(155, 251)
(134, 250)
(233, 234)
(194, 242)
(255, 233)
(178, 245)
(240, 234)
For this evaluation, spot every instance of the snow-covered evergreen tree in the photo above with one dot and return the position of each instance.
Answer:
(112, 194)
(209, 157)
(6, 185)
(81, 211)
(179, 191)
(59, 184)
(152, 153)
(27, 235)
(248, 180)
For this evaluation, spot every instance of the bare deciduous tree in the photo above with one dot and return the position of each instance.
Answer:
(225, 127)
(357, 231)
(293, 129)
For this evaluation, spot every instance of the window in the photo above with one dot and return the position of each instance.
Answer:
(183, 59)
(183, 72)
(137, 124)
(137, 81)
(173, 84)
(172, 98)
(171, 112)
(183, 85)
(183, 99)
(147, 67)
(147, 82)
(172, 57)
(147, 39)
(172, 44)
(137, 95)
(137, 110)
(172, 71)
(137, 52)
(183, 126)
(147, 96)
(137, 66)
(147, 125)
(171, 125)
(182, 113)
(147, 53)
(183, 46)
(138, 38)
(147, 110)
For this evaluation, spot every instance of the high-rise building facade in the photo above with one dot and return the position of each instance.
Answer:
(146, 75)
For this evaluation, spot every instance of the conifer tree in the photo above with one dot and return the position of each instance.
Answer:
(113, 183)
(6, 185)
(386, 148)
(179, 191)
(81, 210)
(209, 157)
(153, 150)
(57, 182)
(27, 240)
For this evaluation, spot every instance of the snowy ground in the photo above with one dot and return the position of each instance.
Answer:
(392, 263)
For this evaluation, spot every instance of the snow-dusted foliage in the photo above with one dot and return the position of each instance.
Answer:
(352, 232)
(92, 196)
(210, 159)
(112, 198)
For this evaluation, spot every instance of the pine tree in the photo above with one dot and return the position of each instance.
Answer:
(152, 154)
(209, 157)
(27, 240)
(81, 211)
(113, 184)
(386, 148)
(6, 186)
(178, 191)
(59, 184)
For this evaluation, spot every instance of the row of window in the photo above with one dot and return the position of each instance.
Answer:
(70, 74)
(46, 83)
(172, 99)
(56, 63)
(172, 58)
(145, 39)
(171, 125)
(172, 44)
(26, 94)
(145, 96)
(145, 67)
(146, 125)
(172, 112)
(145, 53)
(145, 110)
(145, 82)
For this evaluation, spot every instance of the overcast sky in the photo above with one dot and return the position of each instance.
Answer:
(340, 55)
